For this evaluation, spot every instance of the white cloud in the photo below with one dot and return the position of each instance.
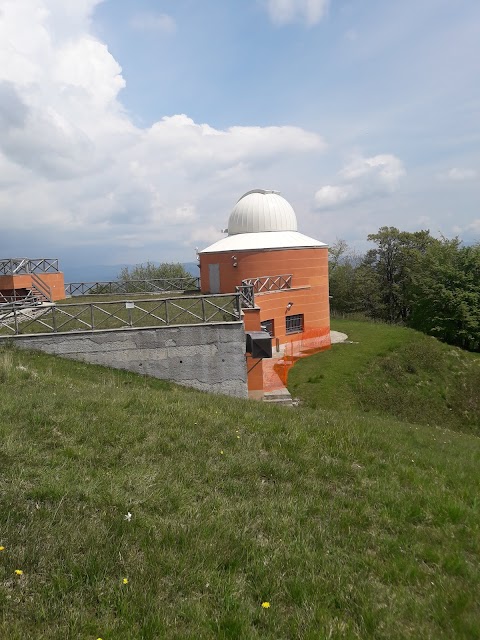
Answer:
(331, 196)
(285, 11)
(461, 174)
(73, 164)
(362, 178)
(205, 236)
(424, 220)
(469, 233)
(474, 226)
(154, 22)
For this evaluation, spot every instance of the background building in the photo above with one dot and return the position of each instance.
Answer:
(30, 281)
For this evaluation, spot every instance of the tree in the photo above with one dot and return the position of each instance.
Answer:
(446, 294)
(393, 262)
(167, 276)
(345, 281)
(429, 284)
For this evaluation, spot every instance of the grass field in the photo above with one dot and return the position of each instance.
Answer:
(348, 525)
(388, 370)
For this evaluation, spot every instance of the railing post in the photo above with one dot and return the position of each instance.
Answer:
(167, 320)
(239, 305)
(92, 317)
(54, 320)
(16, 321)
(204, 317)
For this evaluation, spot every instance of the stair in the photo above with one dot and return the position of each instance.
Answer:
(282, 396)
(8, 303)
(40, 289)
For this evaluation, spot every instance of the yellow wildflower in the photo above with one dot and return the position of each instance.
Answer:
(266, 605)
(125, 581)
(19, 572)
(221, 452)
(2, 548)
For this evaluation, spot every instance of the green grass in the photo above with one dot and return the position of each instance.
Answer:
(351, 526)
(388, 370)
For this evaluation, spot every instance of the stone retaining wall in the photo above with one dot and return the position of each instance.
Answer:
(209, 357)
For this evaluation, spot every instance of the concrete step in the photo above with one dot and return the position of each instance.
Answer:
(281, 396)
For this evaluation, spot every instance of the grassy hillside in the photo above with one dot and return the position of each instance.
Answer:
(388, 370)
(348, 526)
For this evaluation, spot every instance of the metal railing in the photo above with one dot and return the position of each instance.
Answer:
(16, 266)
(269, 283)
(121, 315)
(247, 296)
(17, 299)
(119, 287)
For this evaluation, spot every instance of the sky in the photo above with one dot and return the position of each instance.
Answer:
(128, 130)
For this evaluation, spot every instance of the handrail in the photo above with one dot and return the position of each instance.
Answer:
(269, 283)
(41, 286)
(247, 296)
(19, 300)
(125, 314)
(149, 285)
(16, 266)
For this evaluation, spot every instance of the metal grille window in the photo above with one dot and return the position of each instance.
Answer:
(294, 324)
(267, 325)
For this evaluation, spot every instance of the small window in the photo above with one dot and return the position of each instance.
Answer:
(294, 324)
(267, 325)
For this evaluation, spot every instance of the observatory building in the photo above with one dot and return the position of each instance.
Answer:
(284, 275)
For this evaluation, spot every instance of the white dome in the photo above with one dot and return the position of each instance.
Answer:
(259, 211)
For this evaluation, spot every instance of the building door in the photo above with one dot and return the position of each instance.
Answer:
(214, 277)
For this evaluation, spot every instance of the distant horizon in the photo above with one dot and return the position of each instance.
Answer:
(132, 129)
(107, 273)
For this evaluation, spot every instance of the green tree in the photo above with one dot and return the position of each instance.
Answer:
(446, 293)
(392, 264)
(150, 277)
(346, 282)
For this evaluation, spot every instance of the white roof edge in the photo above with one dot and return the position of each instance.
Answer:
(264, 240)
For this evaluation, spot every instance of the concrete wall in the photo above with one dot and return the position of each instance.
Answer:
(209, 357)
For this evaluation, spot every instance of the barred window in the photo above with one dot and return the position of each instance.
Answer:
(294, 324)
(267, 325)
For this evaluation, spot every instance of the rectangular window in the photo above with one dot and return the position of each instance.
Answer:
(267, 325)
(294, 324)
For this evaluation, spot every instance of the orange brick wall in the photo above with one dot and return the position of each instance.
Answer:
(309, 266)
(309, 293)
(55, 281)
